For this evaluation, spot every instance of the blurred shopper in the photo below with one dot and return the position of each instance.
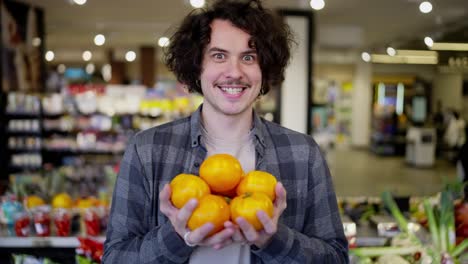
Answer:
(438, 121)
(232, 53)
(455, 134)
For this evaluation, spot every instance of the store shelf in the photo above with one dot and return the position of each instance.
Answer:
(84, 152)
(24, 167)
(37, 242)
(21, 115)
(24, 133)
(24, 150)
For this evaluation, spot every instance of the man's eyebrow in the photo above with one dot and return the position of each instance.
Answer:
(249, 51)
(217, 49)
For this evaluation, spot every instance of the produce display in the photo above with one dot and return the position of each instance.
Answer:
(224, 193)
(411, 246)
(62, 217)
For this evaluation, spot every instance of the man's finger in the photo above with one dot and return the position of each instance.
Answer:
(199, 234)
(247, 229)
(225, 243)
(280, 201)
(165, 204)
(219, 237)
(185, 212)
(268, 225)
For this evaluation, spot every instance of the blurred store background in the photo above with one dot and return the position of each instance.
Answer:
(384, 92)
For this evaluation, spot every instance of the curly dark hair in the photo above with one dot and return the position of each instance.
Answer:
(270, 36)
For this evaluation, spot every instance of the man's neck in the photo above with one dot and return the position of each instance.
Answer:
(226, 127)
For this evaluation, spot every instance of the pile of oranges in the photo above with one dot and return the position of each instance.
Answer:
(224, 193)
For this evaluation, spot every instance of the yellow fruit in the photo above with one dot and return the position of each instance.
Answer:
(87, 202)
(187, 186)
(33, 201)
(247, 206)
(62, 200)
(213, 209)
(222, 172)
(258, 181)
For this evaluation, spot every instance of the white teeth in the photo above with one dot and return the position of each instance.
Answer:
(231, 90)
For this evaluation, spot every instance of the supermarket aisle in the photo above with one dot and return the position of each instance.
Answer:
(359, 172)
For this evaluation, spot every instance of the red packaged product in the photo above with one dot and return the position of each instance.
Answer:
(42, 223)
(62, 222)
(92, 222)
(22, 222)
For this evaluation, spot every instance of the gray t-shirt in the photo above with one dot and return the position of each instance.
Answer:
(243, 149)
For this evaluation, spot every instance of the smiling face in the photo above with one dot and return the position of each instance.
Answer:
(231, 77)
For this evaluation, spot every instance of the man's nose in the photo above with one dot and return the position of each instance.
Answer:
(234, 69)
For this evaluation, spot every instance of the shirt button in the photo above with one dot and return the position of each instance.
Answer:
(197, 164)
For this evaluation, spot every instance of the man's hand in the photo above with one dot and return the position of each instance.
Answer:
(179, 219)
(247, 233)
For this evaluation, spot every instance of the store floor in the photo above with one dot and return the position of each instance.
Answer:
(362, 173)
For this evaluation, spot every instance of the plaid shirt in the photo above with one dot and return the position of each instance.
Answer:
(309, 230)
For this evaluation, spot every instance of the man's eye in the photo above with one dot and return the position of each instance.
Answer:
(219, 56)
(249, 58)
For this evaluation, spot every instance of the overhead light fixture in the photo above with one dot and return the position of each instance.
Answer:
(197, 3)
(49, 55)
(130, 56)
(366, 56)
(87, 55)
(79, 2)
(425, 7)
(317, 4)
(428, 41)
(391, 51)
(407, 57)
(450, 46)
(99, 39)
(163, 42)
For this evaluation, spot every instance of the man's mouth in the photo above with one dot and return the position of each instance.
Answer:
(232, 90)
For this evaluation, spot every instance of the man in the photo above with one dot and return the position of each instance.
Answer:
(231, 53)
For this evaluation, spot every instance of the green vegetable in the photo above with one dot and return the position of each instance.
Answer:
(460, 248)
(392, 206)
(432, 223)
(380, 251)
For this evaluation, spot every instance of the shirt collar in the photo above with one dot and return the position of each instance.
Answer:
(259, 129)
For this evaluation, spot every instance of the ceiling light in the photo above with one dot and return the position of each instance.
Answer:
(428, 41)
(381, 58)
(80, 2)
(449, 46)
(197, 3)
(87, 55)
(407, 57)
(130, 56)
(36, 42)
(417, 53)
(391, 51)
(49, 56)
(90, 68)
(317, 4)
(99, 39)
(61, 68)
(425, 7)
(365, 56)
(163, 42)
